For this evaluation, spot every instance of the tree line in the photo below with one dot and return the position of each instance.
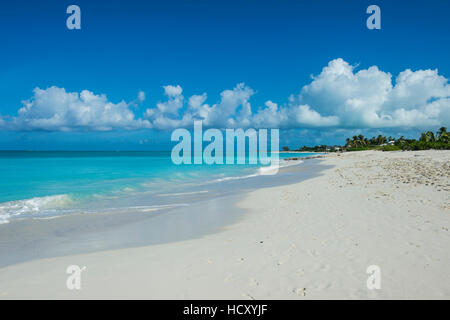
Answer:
(427, 140)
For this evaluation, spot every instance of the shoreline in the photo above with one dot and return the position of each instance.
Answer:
(146, 189)
(308, 240)
(81, 233)
(34, 239)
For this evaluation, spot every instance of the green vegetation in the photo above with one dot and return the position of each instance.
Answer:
(321, 148)
(391, 148)
(428, 140)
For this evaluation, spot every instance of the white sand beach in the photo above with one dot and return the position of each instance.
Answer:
(309, 240)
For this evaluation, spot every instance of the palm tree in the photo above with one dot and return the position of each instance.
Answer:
(427, 137)
(442, 130)
(380, 139)
(423, 137)
(430, 136)
(442, 135)
(348, 142)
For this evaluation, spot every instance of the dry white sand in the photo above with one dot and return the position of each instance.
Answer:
(313, 239)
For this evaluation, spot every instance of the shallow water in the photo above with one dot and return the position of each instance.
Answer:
(50, 184)
(206, 208)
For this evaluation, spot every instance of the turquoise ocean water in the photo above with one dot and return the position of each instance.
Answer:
(54, 183)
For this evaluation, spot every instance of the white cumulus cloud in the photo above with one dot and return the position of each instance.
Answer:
(232, 110)
(141, 96)
(57, 110)
(369, 98)
(340, 97)
(172, 91)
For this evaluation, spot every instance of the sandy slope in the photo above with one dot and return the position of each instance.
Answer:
(313, 239)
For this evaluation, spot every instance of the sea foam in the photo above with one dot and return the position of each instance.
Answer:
(32, 207)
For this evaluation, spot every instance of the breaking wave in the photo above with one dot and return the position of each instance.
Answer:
(34, 207)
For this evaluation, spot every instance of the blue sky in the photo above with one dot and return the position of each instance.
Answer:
(243, 63)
